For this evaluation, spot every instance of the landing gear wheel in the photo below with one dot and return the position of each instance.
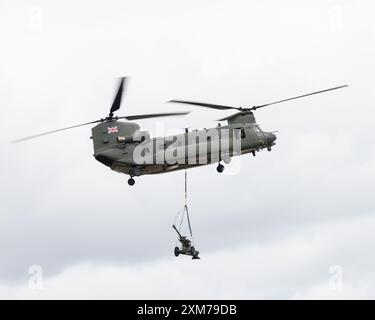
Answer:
(176, 251)
(220, 168)
(269, 148)
(131, 182)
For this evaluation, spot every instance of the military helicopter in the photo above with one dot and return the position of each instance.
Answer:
(125, 148)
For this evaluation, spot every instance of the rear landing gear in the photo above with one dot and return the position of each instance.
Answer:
(131, 181)
(220, 168)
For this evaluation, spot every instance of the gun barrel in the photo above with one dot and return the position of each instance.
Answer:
(174, 227)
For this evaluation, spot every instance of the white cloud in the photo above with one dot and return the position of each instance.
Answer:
(296, 268)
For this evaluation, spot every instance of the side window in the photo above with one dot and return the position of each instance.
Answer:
(243, 135)
(237, 131)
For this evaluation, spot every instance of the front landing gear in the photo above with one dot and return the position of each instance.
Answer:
(220, 168)
(131, 181)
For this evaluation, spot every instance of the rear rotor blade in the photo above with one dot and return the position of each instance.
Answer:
(53, 131)
(153, 115)
(301, 96)
(117, 101)
(207, 105)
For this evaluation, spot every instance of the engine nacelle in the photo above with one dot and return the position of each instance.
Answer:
(138, 136)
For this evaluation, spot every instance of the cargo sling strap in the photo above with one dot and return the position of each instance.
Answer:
(186, 212)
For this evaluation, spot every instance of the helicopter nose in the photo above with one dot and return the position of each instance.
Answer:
(271, 137)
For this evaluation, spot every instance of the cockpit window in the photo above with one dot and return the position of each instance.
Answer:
(258, 131)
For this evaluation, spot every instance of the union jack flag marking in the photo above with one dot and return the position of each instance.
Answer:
(112, 130)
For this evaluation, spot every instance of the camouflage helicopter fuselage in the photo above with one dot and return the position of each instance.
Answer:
(124, 148)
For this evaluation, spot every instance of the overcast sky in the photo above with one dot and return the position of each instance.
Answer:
(297, 222)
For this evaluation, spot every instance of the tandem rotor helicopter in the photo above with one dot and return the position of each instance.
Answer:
(124, 148)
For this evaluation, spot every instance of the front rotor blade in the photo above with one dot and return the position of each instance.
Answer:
(117, 102)
(304, 95)
(207, 105)
(153, 115)
(229, 117)
(53, 131)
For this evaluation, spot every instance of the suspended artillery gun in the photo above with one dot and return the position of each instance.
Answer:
(186, 247)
